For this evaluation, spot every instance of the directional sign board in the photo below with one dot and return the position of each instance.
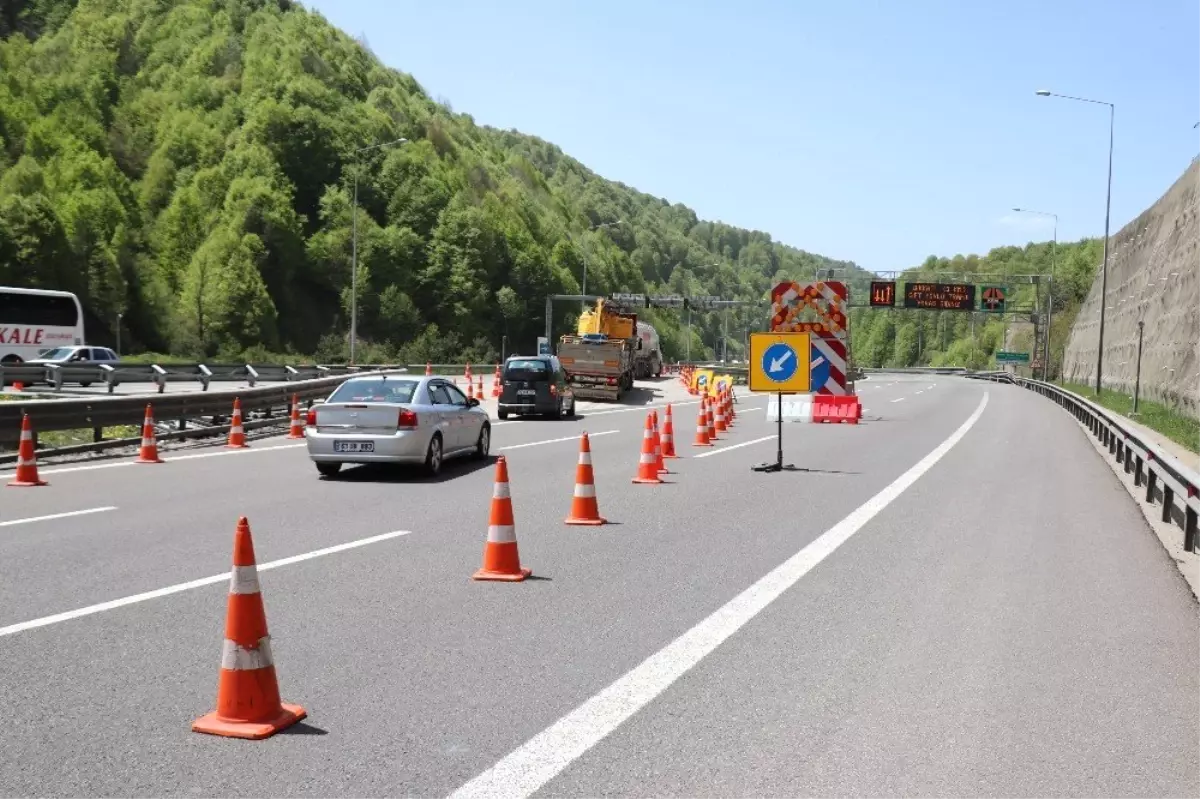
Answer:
(883, 293)
(940, 296)
(780, 362)
(1012, 357)
(994, 299)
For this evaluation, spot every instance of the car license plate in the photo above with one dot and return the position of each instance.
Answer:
(354, 446)
(527, 392)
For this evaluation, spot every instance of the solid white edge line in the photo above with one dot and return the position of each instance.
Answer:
(112, 604)
(712, 452)
(556, 440)
(897, 399)
(541, 758)
(65, 515)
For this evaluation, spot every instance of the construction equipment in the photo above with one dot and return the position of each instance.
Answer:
(610, 349)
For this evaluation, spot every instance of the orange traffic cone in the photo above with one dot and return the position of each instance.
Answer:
(428, 369)
(648, 462)
(248, 704)
(496, 382)
(501, 561)
(702, 439)
(584, 509)
(296, 429)
(148, 453)
(479, 388)
(470, 388)
(709, 421)
(658, 456)
(467, 374)
(719, 415)
(237, 436)
(27, 473)
(668, 435)
(18, 386)
(730, 413)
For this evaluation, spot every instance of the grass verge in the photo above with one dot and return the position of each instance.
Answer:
(1183, 430)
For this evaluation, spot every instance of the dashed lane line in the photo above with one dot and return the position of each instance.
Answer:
(52, 516)
(113, 604)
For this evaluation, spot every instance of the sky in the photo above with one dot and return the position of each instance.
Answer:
(877, 132)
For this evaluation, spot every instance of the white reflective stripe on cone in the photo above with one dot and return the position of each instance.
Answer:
(238, 658)
(585, 490)
(647, 457)
(502, 534)
(244, 580)
(500, 491)
(585, 458)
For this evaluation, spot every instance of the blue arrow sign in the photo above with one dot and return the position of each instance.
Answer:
(779, 362)
(820, 369)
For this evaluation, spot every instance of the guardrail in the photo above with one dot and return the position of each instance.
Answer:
(1168, 483)
(97, 413)
(56, 375)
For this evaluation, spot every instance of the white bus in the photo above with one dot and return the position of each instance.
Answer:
(33, 321)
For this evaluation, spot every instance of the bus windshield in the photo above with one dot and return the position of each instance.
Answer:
(35, 320)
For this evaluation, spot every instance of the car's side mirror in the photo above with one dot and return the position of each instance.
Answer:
(472, 402)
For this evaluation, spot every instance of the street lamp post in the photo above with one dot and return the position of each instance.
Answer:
(584, 251)
(1112, 114)
(354, 247)
(1049, 291)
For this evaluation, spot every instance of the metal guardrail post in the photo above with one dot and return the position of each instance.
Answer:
(205, 375)
(252, 375)
(54, 376)
(109, 375)
(291, 373)
(160, 377)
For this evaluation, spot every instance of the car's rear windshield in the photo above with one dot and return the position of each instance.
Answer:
(533, 369)
(375, 389)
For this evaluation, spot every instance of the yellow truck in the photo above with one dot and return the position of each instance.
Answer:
(608, 351)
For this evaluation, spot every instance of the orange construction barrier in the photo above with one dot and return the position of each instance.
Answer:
(501, 561)
(296, 430)
(702, 439)
(248, 704)
(668, 435)
(237, 436)
(27, 473)
(148, 452)
(584, 509)
(648, 462)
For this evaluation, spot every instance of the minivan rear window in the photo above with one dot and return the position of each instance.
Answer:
(531, 370)
(374, 389)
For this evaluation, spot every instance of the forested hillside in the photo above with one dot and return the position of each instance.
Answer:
(190, 165)
(955, 338)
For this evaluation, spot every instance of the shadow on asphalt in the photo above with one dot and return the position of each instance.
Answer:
(397, 473)
(303, 728)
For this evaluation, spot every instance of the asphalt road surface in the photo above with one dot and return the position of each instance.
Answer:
(955, 597)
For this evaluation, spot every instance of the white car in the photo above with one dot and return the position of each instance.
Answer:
(398, 419)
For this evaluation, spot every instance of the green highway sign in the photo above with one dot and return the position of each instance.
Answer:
(1012, 357)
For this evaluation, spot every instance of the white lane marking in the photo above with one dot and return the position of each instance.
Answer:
(587, 414)
(65, 515)
(170, 458)
(556, 440)
(46, 621)
(712, 452)
(897, 399)
(537, 761)
(922, 391)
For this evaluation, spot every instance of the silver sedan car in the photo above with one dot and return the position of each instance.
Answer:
(396, 419)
